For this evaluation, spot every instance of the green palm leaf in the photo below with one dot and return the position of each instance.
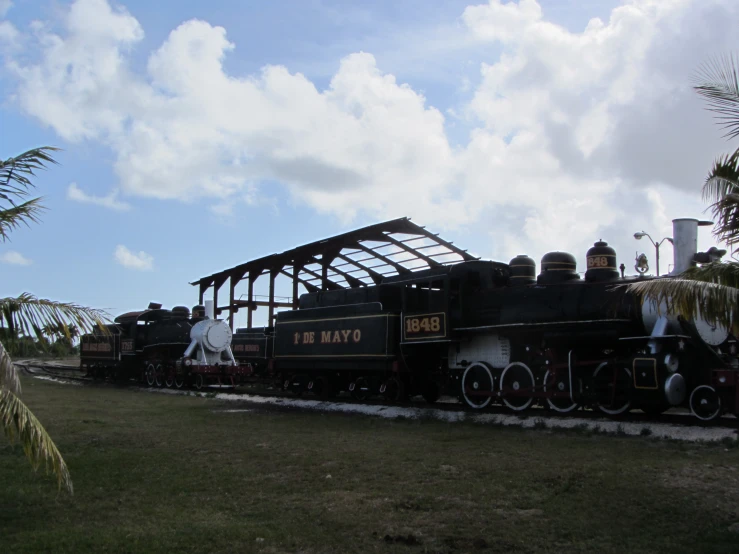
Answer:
(718, 82)
(16, 172)
(11, 218)
(722, 190)
(15, 185)
(8, 375)
(710, 292)
(19, 424)
(30, 314)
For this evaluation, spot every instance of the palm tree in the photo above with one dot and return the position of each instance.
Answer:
(712, 290)
(26, 315)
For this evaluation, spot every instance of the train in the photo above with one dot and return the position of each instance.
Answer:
(159, 347)
(485, 332)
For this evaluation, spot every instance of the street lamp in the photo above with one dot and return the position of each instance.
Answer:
(640, 234)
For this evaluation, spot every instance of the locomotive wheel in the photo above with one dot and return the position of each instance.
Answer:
(430, 391)
(179, 380)
(705, 403)
(559, 384)
(298, 383)
(360, 389)
(159, 375)
(321, 387)
(393, 389)
(612, 389)
(169, 380)
(516, 377)
(151, 375)
(198, 381)
(477, 378)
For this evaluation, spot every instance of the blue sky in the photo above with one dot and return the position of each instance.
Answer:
(198, 135)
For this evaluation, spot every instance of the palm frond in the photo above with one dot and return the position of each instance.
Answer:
(722, 190)
(718, 82)
(16, 172)
(690, 298)
(19, 424)
(12, 217)
(723, 178)
(8, 375)
(31, 314)
(720, 273)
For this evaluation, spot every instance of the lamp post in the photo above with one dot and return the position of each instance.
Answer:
(640, 234)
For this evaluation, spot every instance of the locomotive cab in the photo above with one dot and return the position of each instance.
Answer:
(438, 299)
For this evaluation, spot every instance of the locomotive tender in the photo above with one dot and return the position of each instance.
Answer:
(484, 331)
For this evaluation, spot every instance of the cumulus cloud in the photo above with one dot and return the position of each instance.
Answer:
(140, 261)
(187, 129)
(573, 133)
(614, 99)
(14, 258)
(5, 5)
(8, 33)
(110, 201)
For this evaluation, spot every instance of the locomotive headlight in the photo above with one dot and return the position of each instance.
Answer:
(671, 362)
(188, 362)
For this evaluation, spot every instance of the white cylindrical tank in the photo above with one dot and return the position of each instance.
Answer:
(213, 335)
(685, 243)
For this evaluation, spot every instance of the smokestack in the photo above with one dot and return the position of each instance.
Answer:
(209, 309)
(685, 242)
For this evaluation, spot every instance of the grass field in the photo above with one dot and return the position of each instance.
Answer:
(160, 473)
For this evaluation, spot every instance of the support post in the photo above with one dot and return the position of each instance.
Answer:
(324, 275)
(296, 272)
(251, 299)
(326, 260)
(231, 307)
(272, 275)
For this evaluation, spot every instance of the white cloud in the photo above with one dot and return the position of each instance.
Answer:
(140, 261)
(5, 5)
(110, 201)
(187, 129)
(14, 258)
(571, 130)
(8, 34)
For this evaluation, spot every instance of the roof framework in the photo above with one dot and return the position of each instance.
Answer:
(362, 257)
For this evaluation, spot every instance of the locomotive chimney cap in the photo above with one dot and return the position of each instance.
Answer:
(701, 222)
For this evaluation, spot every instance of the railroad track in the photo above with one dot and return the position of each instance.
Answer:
(672, 417)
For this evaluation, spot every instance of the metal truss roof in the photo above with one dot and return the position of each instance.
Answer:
(358, 258)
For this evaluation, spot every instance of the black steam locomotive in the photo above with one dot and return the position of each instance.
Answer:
(492, 332)
(485, 331)
(162, 348)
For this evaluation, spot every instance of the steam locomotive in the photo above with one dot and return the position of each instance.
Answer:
(492, 332)
(485, 331)
(162, 347)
